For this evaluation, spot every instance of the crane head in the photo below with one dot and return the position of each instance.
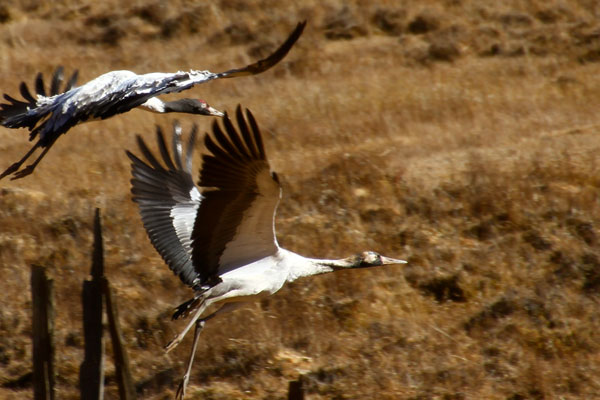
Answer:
(372, 259)
(192, 106)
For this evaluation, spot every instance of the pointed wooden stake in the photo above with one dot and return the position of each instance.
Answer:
(42, 293)
(91, 372)
(123, 372)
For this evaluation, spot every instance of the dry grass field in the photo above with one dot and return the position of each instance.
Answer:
(460, 135)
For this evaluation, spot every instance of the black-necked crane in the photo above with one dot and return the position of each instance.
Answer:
(116, 92)
(219, 237)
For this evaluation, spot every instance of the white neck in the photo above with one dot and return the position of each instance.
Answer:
(299, 266)
(154, 104)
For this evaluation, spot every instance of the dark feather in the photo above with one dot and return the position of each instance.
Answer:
(266, 63)
(57, 79)
(39, 85)
(72, 81)
(158, 191)
(231, 171)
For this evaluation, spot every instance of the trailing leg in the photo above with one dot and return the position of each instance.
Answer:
(186, 377)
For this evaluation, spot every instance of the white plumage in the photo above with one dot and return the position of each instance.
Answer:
(219, 237)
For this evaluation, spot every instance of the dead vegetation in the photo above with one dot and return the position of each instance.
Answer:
(462, 136)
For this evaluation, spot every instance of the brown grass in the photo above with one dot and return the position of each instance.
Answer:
(462, 136)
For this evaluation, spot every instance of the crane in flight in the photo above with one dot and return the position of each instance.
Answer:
(219, 237)
(49, 116)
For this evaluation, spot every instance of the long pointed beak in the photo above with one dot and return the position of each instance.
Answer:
(214, 111)
(388, 260)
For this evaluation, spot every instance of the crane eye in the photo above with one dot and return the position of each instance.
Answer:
(374, 258)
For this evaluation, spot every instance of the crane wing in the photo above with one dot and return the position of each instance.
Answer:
(266, 63)
(168, 201)
(15, 107)
(234, 225)
(134, 93)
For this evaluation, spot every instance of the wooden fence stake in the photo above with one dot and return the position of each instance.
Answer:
(42, 293)
(91, 372)
(123, 372)
(296, 389)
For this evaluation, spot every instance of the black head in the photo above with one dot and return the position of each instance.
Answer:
(192, 106)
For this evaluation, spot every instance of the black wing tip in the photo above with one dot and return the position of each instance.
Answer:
(157, 191)
(15, 107)
(294, 36)
(135, 160)
(296, 33)
(300, 27)
(173, 158)
(131, 157)
(282, 50)
(245, 140)
(273, 59)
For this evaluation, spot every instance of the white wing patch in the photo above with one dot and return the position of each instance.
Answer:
(183, 216)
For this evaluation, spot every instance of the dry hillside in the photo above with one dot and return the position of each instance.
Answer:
(461, 135)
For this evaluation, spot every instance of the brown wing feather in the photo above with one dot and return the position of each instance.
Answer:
(231, 176)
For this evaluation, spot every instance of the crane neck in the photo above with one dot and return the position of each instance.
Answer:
(299, 266)
(155, 105)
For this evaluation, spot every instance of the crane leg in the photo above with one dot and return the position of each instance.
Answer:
(199, 326)
(186, 377)
(29, 169)
(18, 164)
(173, 343)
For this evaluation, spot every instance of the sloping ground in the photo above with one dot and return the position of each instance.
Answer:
(461, 136)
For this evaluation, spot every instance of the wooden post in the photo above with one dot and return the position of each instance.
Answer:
(91, 372)
(296, 389)
(123, 372)
(98, 254)
(42, 293)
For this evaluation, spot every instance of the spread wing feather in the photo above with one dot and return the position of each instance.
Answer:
(168, 201)
(16, 107)
(202, 236)
(234, 225)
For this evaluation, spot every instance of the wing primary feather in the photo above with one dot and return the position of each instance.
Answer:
(257, 136)
(190, 149)
(25, 93)
(57, 79)
(164, 152)
(11, 99)
(218, 151)
(224, 141)
(176, 144)
(233, 135)
(167, 198)
(148, 154)
(72, 81)
(246, 133)
(39, 85)
(133, 157)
